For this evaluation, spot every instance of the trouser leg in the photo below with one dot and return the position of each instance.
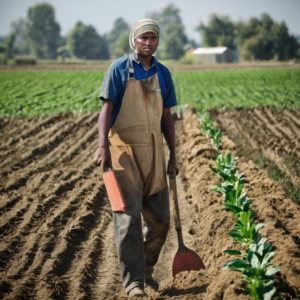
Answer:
(156, 214)
(129, 241)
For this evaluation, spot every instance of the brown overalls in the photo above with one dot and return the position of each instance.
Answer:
(136, 146)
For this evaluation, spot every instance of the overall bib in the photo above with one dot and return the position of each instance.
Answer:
(138, 159)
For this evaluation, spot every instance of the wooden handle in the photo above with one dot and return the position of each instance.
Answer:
(175, 209)
(106, 168)
(174, 199)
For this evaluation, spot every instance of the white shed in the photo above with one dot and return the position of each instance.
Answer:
(213, 55)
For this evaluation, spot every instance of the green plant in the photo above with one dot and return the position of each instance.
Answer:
(42, 93)
(210, 130)
(238, 88)
(225, 167)
(257, 272)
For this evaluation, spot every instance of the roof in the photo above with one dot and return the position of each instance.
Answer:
(214, 50)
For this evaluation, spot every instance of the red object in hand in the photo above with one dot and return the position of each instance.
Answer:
(114, 192)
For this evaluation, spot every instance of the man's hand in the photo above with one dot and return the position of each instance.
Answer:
(172, 166)
(102, 157)
(167, 126)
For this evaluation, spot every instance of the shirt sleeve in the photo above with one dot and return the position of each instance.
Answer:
(112, 84)
(170, 96)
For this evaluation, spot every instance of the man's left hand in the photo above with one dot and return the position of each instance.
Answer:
(172, 165)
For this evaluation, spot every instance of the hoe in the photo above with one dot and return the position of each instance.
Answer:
(185, 259)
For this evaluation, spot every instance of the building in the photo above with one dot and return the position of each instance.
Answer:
(213, 55)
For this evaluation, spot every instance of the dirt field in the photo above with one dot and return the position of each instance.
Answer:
(56, 226)
(273, 132)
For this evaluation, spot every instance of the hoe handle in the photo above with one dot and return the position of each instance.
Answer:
(174, 200)
(175, 209)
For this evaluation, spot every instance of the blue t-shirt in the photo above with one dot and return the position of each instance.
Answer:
(115, 80)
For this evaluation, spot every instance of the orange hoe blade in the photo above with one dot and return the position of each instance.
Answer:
(185, 259)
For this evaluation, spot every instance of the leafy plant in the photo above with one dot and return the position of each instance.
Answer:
(256, 271)
(254, 264)
(210, 130)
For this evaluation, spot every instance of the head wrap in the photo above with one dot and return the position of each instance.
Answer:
(141, 27)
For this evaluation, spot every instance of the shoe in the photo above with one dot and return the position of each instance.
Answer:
(136, 292)
(152, 284)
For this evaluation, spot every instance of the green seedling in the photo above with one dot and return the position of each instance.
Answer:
(256, 272)
(210, 130)
(255, 263)
(246, 233)
(225, 164)
(216, 139)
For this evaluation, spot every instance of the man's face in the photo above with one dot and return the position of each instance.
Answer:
(146, 44)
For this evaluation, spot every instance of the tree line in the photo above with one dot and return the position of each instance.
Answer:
(39, 35)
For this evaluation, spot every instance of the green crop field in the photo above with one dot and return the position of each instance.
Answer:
(43, 93)
(246, 88)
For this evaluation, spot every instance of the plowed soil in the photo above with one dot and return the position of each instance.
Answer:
(56, 226)
(273, 132)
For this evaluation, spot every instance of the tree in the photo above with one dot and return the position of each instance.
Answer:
(85, 43)
(122, 45)
(43, 30)
(171, 32)
(169, 14)
(220, 31)
(264, 39)
(285, 46)
(10, 44)
(21, 45)
(258, 39)
(120, 27)
(175, 39)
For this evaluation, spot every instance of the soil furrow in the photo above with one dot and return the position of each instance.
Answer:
(58, 240)
(27, 142)
(41, 149)
(33, 256)
(68, 242)
(109, 281)
(76, 149)
(279, 147)
(41, 211)
(13, 217)
(83, 273)
(7, 203)
(287, 133)
(24, 133)
(212, 224)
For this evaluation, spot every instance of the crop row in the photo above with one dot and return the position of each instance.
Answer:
(238, 88)
(210, 130)
(254, 263)
(44, 93)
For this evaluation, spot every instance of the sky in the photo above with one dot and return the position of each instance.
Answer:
(102, 14)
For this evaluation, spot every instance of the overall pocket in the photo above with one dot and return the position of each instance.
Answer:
(134, 159)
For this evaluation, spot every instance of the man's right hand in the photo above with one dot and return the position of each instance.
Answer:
(102, 157)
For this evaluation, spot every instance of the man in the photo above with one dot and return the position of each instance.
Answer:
(137, 93)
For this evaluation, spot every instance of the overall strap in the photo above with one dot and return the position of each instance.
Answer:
(130, 70)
